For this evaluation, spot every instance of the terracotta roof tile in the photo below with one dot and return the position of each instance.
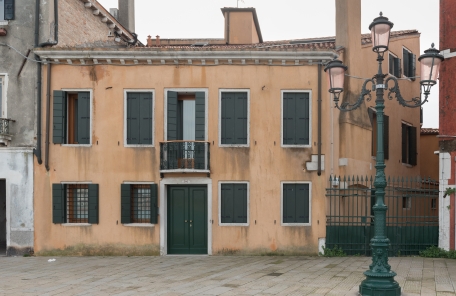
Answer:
(429, 131)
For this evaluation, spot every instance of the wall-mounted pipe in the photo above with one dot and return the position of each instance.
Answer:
(37, 150)
(48, 110)
(319, 119)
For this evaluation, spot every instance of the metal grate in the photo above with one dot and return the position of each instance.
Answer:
(77, 203)
(140, 203)
(192, 155)
(411, 220)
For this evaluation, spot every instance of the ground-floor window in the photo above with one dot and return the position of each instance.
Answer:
(296, 199)
(139, 203)
(234, 204)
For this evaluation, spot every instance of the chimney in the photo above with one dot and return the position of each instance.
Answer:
(114, 12)
(241, 26)
(127, 14)
(348, 28)
(157, 41)
(149, 41)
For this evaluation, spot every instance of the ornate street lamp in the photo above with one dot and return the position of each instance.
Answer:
(380, 278)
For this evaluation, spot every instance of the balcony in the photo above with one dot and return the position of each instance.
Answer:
(5, 136)
(184, 157)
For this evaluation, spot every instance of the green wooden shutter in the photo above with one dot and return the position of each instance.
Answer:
(200, 116)
(240, 203)
(227, 196)
(413, 66)
(145, 110)
(405, 56)
(125, 203)
(404, 143)
(228, 114)
(240, 123)
(412, 145)
(133, 121)
(172, 116)
(289, 203)
(153, 203)
(83, 118)
(58, 203)
(302, 203)
(289, 111)
(93, 203)
(59, 117)
(386, 136)
(302, 122)
(9, 10)
(391, 64)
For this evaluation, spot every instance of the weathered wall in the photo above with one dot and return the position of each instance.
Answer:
(264, 164)
(16, 167)
(356, 126)
(79, 27)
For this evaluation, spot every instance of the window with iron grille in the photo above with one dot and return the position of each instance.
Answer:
(139, 203)
(75, 203)
(296, 199)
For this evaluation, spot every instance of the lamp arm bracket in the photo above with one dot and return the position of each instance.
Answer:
(346, 106)
(412, 103)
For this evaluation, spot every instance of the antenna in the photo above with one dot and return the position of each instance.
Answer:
(238, 2)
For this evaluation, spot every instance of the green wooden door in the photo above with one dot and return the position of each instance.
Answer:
(187, 220)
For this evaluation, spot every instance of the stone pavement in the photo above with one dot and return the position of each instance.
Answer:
(215, 275)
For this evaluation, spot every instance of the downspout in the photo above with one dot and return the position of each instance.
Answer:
(48, 109)
(48, 82)
(319, 119)
(37, 150)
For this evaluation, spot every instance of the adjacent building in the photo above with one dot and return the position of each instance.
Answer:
(209, 146)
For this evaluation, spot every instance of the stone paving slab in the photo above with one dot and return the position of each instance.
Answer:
(215, 275)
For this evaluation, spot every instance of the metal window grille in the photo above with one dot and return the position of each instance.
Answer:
(140, 201)
(77, 203)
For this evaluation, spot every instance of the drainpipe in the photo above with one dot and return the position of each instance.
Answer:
(319, 119)
(37, 151)
(48, 110)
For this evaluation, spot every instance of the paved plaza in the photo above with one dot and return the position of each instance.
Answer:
(215, 275)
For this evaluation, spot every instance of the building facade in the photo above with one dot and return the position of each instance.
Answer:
(208, 146)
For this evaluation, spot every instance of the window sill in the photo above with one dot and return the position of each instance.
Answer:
(407, 165)
(234, 224)
(139, 225)
(139, 146)
(76, 224)
(4, 23)
(296, 146)
(296, 224)
(234, 146)
(76, 145)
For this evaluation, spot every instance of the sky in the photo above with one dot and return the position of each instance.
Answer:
(286, 19)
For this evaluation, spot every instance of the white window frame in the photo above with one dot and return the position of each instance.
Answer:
(2, 13)
(396, 56)
(67, 224)
(220, 203)
(4, 81)
(138, 224)
(225, 90)
(185, 90)
(127, 90)
(403, 47)
(77, 90)
(310, 203)
(310, 117)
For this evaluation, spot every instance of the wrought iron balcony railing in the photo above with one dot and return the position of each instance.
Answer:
(184, 156)
(5, 135)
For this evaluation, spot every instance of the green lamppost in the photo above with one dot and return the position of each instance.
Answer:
(380, 278)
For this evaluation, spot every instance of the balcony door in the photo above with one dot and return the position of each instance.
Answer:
(2, 217)
(187, 220)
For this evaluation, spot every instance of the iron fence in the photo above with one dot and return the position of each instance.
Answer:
(411, 220)
(184, 155)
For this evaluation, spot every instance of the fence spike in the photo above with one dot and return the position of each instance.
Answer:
(330, 178)
(344, 178)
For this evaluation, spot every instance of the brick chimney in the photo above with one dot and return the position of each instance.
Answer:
(241, 26)
(127, 14)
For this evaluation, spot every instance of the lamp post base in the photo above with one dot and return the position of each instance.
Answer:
(379, 284)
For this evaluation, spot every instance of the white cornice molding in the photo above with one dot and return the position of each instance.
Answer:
(448, 54)
(156, 55)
